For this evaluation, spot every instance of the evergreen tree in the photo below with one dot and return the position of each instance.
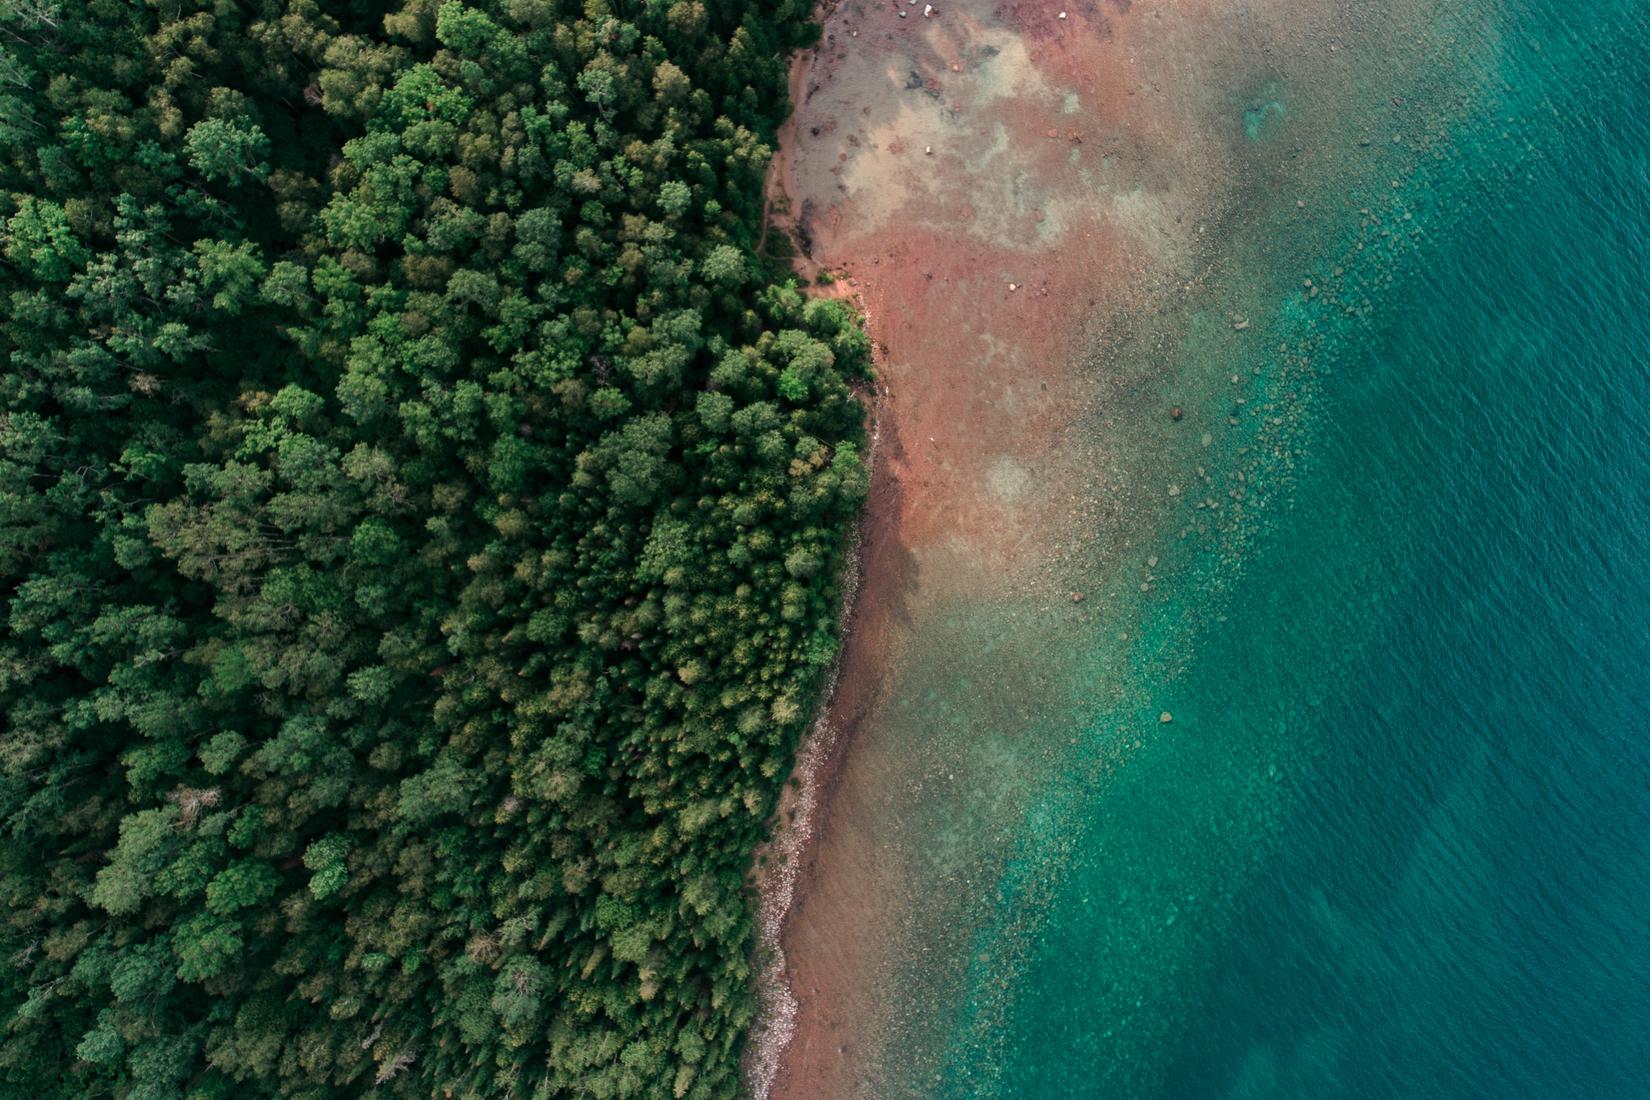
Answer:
(420, 515)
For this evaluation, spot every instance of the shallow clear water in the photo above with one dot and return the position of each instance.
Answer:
(1396, 838)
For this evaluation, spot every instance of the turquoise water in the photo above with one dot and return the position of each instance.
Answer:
(1461, 903)
(1396, 840)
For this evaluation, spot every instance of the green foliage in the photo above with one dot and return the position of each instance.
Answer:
(226, 150)
(420, 516)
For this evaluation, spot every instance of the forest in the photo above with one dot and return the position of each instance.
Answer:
(422, 513)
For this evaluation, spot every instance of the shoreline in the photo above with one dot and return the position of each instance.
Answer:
(1019, 201)
(783, 858)
(973, 296)
(780, 863)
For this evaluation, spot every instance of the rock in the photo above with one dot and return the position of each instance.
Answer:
(1176, 413)
(1165, 718)
(1062, 15)
(1076, 597)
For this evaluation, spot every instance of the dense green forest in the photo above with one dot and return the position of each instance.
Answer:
(421, 512)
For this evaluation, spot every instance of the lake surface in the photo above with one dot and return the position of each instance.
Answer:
(1445, 645)
(1348, 791)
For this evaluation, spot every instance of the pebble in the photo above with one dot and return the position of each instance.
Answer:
(1165, 718)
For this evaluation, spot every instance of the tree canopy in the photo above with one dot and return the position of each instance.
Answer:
(420, 520)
